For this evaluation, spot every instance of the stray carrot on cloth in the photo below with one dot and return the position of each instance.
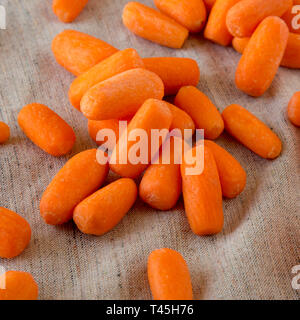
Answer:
(294, 109)
(121, 96)
(68, 10)
(4, 132)
(104, 209)
(153, 25)
(262, 56)
(78, 52)
(79, 177)
(189, 13)
(251, 132)
(169, 276)
(174, 72)
(46, 129)
(15, 234)
(18, 286)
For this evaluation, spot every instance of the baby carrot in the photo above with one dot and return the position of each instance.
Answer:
(232, 175)
(216, 29)
(189, 13)
(202, 196)
(243, 18)
(174, 72)
(4, 132)
(291, 57)
(121, 96)
(78, 52)
(290, 16)
(15, 234)
(68, 10)
(160, 186)
(209, 4)
(46, 129)
(262, 56)
(104, 209)
(117, 63)
(251, 132)
(153, 25)
(153, 114)
(169, 276)
(80, 176)
(181, 120)
(18, 286)
(294, 109)
(204, 113)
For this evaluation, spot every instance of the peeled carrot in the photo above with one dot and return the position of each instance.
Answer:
(189, 13)
(4, 132)
(294, 109)
(232, 175)
(95, 126)
(153, 114)
(216, 29)
(160, 186)
(15, 234)
(251, 132)
(290, 16)
(174, 72)
(243, 18)
(46, 129)
(202, 196)
(169, 276)
(79, 177)
(68, 10)
(181, 120)
(18, 286)
(117, 63)
(121, 96)
(262, 56)
(104, 209)
(153, 25)
(209, 4)
(78, 52)
(204, 113)
(291, 57)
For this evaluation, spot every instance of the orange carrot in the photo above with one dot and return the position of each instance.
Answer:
(161, 184)
(232, 175)
(174, 72)
(209, 4)
(153, 114)
(78, 52)
(95, 126)
(169, 276)
(262, 56)
(153, 25)
(68, 10)
(15, 234)
(117, 63)
(103, 210)
(202, 196)
(291, 16)
(294, 109)
(216, 29)
(4, 132)
(18, 286)
(189, 13)
(46, 129)
(121, 96)
(80, 176)
(181, 120)
(204, 113)
(239, 44)
(245, 16)
(251, 132)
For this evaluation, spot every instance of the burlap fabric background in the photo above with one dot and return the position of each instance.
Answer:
(251, 259)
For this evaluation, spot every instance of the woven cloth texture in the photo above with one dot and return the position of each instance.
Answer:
(251, 259)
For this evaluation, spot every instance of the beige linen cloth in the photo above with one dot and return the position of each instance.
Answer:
(254, 255)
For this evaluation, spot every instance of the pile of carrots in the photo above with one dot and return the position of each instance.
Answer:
(113, 85)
